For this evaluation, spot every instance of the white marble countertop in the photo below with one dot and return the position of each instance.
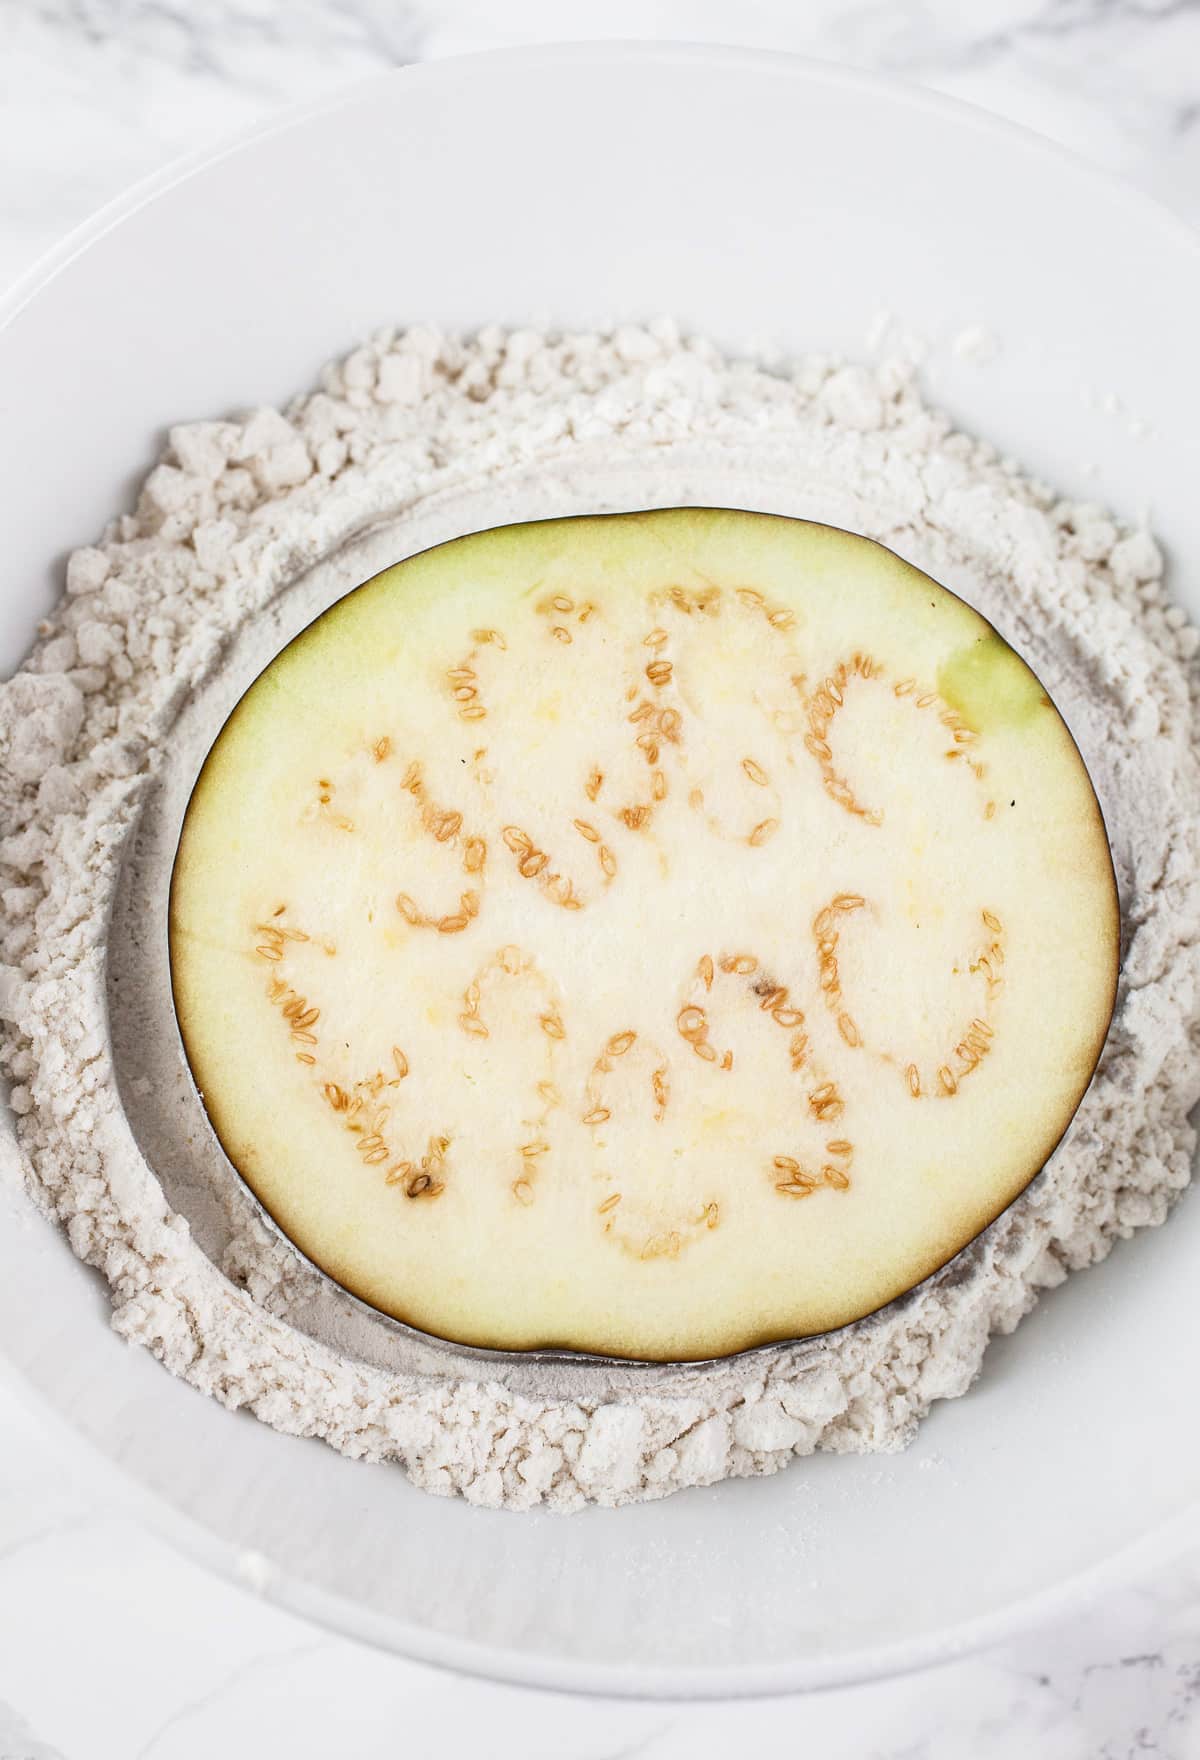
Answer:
(112, 1647)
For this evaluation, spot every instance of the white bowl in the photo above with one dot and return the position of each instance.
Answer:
(763, 200)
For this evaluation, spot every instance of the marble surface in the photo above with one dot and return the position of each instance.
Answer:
(112, 1647)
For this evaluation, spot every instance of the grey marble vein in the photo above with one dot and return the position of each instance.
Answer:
(254, 1668)
(17, 1740)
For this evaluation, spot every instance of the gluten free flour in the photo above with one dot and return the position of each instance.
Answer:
(237, 516)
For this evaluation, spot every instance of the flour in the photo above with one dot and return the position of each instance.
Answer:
(237, 513)
(976, 345)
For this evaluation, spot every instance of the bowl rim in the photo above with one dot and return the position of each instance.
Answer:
(177, 170)
(253, 1574)
(189, 1535)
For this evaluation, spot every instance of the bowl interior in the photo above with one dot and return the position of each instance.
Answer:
(775, 205)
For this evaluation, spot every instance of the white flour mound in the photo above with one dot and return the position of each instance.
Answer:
(238, 510)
